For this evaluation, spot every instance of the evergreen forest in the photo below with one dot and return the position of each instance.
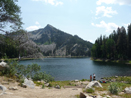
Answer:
(115, 47)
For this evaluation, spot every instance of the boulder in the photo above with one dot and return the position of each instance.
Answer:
(93, 83)
(47, 84)
(3, 88)
(3, 65)
(76, 80)
(29, 83)
(13, 88)
(83, 95)
(127, 90)
(57, 86)
(24, 85)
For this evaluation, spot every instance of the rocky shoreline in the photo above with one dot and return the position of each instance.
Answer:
(72, 89)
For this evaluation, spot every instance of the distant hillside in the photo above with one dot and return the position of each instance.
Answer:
(55, 42)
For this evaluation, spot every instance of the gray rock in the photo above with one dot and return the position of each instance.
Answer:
(10, 80)
(93, 83)
(83, 95)
(108, 96)
(47, 84)
(3, 88)
(3, 65)
(127, 90)
(57, 86)
(13, 88)
(76, 80)
(29, 83)
(24, 85)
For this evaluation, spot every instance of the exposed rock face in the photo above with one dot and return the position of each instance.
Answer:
(55, 42)
(27, 47)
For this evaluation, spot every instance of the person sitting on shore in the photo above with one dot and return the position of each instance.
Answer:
(90, 78)
(94, 77)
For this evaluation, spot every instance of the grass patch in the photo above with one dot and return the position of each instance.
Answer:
(85, 80)
(60, 83)
(90, 90)
(37, 83)
(77, 96)
(104, 85)
(103, 95)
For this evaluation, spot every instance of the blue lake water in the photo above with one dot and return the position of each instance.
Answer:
(79, 68)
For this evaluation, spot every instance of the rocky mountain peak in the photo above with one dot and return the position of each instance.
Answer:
(49, 27)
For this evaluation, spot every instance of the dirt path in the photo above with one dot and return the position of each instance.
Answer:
(42, 93)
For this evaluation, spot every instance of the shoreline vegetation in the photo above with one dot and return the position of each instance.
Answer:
(17, 59)
(128, 62)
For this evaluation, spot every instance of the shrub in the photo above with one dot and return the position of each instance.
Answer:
(114, 88)
(32, 71)
(43, 76)
(90, 90)
(84, 80)
(43, 85)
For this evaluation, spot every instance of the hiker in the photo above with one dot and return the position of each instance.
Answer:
(90, 78)
(94, 77)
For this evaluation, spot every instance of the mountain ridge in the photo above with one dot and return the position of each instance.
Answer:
(59, 43)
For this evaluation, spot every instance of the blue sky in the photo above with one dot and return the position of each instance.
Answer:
(86, 18)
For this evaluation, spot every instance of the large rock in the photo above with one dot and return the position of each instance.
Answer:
(83, 95)
(93, 83)
(29, 83)
(127, 90)
(13, 88)
(3, 65)
(57, 86)
(3, 88)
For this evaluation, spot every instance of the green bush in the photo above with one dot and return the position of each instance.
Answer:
(43, 76)
(43, 85)
(90, 90)
(114, 88)
(30, 71)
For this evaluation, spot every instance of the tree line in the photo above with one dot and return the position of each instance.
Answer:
(116, 46)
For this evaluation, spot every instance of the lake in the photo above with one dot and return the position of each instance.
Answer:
(79, 68)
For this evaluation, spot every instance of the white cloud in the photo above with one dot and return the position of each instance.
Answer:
(126, 25)
(52, 2)
(120, 2)
(90, 41)
(35, 27)
(106, 11)
(31, 28)
(37, 22)
(108, 26)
